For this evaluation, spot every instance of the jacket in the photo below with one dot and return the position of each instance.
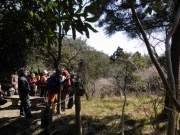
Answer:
(23, 87)
(52, 84)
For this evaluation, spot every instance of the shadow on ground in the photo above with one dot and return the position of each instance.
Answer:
(66, 125)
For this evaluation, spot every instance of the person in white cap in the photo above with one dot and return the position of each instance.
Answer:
(43, 83)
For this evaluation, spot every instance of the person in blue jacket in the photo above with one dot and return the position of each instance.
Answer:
(52, 89)
(24, 89)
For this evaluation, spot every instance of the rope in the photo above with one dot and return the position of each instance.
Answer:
(65, 100)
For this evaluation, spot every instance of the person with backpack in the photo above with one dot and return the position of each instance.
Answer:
(52, 89)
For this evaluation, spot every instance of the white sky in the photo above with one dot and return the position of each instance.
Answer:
(109, 45)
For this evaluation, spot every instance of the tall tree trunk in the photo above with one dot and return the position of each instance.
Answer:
(170, 87)
(169, 52)
(175, 52)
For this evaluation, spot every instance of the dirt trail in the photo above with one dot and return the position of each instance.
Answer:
(12, 124)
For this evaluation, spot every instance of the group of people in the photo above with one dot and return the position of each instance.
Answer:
(49, 88)
(52, 89)
(25, 86)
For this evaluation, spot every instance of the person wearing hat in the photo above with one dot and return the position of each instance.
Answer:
(24, 89)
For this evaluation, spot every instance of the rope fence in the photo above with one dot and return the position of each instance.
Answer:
(65, 100)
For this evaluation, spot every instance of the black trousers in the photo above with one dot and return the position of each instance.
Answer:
(71, 100)
(43, 92)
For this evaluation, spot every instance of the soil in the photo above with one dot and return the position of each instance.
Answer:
(12, 124)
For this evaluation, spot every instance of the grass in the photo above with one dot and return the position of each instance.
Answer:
(101, 116)
(104, 115)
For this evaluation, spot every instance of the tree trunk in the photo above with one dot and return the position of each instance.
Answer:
(59, 92)
(170, 87)
(171, 69)
(175, 52)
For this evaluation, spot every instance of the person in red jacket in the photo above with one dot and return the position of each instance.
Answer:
(33, 84)
(64, 75)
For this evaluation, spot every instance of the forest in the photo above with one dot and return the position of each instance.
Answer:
(34, 35)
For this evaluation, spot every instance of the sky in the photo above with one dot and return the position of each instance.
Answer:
(108, 45)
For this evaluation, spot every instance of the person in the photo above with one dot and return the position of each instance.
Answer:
(14, 82)
(43, 84)
(64, 74)
(33, 86)
(24, 89)
(2, 95)
(38, 83)
(48, 74)
(52, 89)
(73, 81)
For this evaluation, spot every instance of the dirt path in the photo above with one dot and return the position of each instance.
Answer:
(8, 110)
(12, 124)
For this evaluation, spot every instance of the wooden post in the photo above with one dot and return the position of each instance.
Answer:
(47, 120)
(78, 113)
(59, 93)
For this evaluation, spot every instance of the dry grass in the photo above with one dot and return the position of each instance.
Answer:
(99, 117)
(139, 114)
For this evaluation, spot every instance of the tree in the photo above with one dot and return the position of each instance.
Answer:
(126, 76)
(14, 34)
(127, 16)
(45, 18)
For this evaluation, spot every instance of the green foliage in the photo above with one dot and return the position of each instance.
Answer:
(62, 16)
(37, 23)
(76, 56)
(14, 36)
(154, 16)
(128, 67)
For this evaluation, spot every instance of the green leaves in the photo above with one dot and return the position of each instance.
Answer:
(90, 27)
(91, 9)
(69, 16)
(153, 6)
(45, 44)
(92, 19)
